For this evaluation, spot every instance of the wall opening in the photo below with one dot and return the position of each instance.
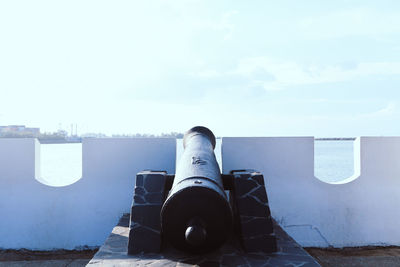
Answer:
(60, 164)
(336, 161)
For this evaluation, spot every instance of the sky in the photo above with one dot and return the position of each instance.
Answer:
(241, 68)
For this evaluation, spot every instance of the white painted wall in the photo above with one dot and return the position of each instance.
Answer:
(364, 211)
(37, 216)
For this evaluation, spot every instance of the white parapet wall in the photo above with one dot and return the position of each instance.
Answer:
(363, 210)
(34, 215)
(360, 211)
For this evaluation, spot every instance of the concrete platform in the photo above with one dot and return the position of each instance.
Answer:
(114, 253)
(46, 263)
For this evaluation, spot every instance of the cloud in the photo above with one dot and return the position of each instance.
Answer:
(226, 25)
(350, 22)
(285, 74)
(388, 111)
(222, 23)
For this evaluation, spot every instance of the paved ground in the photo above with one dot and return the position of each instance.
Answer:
(46, 263)
(357, 257)
(353, 257)
(57, 258)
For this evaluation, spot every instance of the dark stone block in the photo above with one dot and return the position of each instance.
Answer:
(146, 215)
(254, 220)
(143, 239)
(154, 182)
(265, 243)
(246, 219)
(260, 194)
(154, 198)
(257, 261)
(256, 226)
(145, 224)
(249, 206)
(140, 191)
(139, 180)
(243, 186)
(169, 179)
(232, 260)
(138, 199)
(228, 181)
(257, 256)
(268, 211)
(258, 178)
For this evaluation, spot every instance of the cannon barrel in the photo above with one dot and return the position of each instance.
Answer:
(197, 216)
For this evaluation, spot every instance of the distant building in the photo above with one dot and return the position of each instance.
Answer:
(19, 130)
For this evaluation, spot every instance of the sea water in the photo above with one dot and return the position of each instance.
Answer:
(333, 160)
(61, 164)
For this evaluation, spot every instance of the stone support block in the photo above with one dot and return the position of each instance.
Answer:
(253, 213)
(145, 225)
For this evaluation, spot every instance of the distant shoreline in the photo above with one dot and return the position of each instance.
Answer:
(336, 139)
(63, 141)
(56, 141)
(79, 141)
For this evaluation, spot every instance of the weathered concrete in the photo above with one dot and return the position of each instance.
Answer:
(114, 253)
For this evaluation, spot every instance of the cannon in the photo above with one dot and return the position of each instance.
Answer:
(197, 204)
(198, 209)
